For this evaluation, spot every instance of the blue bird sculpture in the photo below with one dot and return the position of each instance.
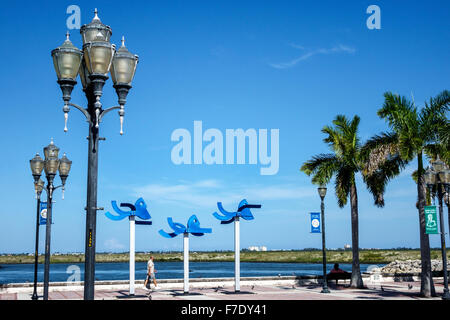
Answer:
(139, 209)
(193, 227)
(243, 211)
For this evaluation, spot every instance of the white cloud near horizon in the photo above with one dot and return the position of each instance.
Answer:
(113, 244)
(336, 49)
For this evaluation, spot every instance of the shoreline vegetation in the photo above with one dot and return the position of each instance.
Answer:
(367, 256)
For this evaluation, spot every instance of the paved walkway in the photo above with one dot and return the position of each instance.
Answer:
(386, 291)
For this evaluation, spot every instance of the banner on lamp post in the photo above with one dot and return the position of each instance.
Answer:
(431, 225)
(43, 213)
(315, 222)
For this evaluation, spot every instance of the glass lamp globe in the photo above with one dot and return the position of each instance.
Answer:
(322, 189)
(36, 165)
(95, 31)
(66, 60)
(123, 66)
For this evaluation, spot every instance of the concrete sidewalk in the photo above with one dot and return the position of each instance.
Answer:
(261, 290)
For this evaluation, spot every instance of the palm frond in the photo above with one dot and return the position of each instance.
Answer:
(343, 182)
(415, 176)
(398, 111)
(438, 105)
(434, 150)
(378, 149)
(444, 134)
(322, 167)
(334, 140)
(376, 181)
(433, 116)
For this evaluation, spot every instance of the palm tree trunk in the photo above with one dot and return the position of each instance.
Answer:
(426, 285)
(356, 280)
(448, 209)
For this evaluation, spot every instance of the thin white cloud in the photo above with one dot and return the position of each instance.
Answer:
(203, 193)
(336, 49)
(208, 184)
(296, 46)
(113, 244)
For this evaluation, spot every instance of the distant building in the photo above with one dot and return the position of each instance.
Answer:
(347, 246)
(256, 248)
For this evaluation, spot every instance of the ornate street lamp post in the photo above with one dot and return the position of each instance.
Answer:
(438, 178)
(38, 187)
(322, 189)
(98, 58)
(51, 165)
(447, 202)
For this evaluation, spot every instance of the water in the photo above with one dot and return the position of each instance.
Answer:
(11, 273)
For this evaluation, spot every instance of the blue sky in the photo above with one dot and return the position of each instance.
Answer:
(287, 65)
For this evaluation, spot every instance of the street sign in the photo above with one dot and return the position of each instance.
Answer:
(431, 225)
(43, 213)
(315, 222)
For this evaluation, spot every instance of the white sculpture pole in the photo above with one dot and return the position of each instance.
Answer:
(237, 256)
(186, 262)
(132, 241)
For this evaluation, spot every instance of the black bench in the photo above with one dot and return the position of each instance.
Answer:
(339, 276)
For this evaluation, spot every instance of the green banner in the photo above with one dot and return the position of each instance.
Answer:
(431, 224)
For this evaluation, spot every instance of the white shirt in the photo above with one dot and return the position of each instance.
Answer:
(150, 266)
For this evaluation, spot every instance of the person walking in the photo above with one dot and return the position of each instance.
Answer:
(150, 273)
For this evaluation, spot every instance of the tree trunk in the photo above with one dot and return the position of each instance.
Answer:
(426, 285)
(448, 209)
(356, 280)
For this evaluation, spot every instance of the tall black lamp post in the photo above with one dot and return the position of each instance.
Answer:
(97, 59)
(51, 165)
(322, 189)
(438, 178)
(447, 202)
(38, 187)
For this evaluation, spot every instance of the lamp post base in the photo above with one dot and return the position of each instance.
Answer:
(325, 290)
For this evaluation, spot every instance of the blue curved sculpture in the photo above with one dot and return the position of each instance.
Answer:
(139, 209)
(193, 227)
(243, 211)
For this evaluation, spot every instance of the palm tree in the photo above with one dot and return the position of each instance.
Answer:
(346, 160)
(414, 133)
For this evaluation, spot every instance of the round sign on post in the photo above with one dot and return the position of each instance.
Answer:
(315, 223)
